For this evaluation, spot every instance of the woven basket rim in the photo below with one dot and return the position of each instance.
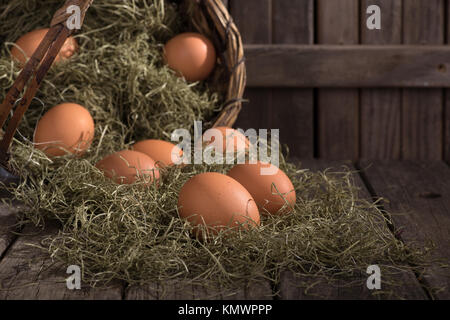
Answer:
(209, 17)
(212, 19)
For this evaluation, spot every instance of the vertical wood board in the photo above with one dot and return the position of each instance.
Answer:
(422, 110)
(381, 108)
(338, 109)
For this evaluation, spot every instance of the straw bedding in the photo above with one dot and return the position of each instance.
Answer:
(133, 232)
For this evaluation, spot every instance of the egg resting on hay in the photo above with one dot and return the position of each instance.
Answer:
(119, 75)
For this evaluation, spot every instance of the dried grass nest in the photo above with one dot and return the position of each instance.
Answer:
(131, 233)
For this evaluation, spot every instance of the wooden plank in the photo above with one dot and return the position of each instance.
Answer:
(254, 21)
(447, 102)
(293, 21)
(422, 112)
(269, 108)
(360, 66)
(337, 22)
(381, 108)
(338, 110)
(27, 272)
(391, 23)
(8, 220)
(380, 123)
(422, 125)
(255, 112)
(353, 287)
(349, 288)
(292, 110)
(338, 124)
(179, 291)
(418, 197)
(7, 227)
(447, 127)
(423, 22)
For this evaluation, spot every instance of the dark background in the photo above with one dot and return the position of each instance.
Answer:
(345, 122)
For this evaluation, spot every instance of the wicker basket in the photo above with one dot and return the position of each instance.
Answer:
(209, 17)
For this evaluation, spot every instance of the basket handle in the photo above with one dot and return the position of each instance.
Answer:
(36, 69)
(62, 15)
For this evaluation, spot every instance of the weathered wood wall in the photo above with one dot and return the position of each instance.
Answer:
(337, 90)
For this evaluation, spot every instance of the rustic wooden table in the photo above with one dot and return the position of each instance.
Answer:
(421, 190)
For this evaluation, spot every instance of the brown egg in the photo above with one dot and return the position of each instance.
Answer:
(159, 150)
(269, 191)
(230, 136)
(67, 127)
(125, 166)
(217, 201)
(30, 41)
(192, 55)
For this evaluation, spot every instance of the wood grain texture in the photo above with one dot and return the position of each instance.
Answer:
(350, 66)
(447, 127)
(293, 109)
(27, 272)
(447, 102)
(423, 22)
(391, 22)
(293, 21)
(338, 22)
(422, 110)
(353, 287)
(253, 19)
(381, 108)
(7, 227)
(338, 124)
(179, 291)
(376, 123)
(422, 124)
(418, 197)
(254, 113)
(381, 123)
(350, 288)
(290, 110)
(338, 110)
